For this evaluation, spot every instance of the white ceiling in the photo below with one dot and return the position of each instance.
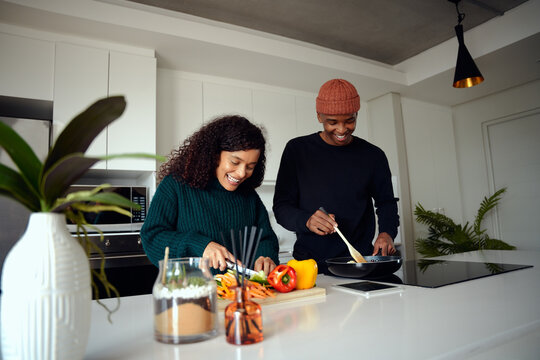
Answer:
(387, 31)
(506, 48)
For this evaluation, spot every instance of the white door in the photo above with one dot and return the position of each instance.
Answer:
(513, 152)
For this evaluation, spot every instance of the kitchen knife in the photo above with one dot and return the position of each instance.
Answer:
(232, 266)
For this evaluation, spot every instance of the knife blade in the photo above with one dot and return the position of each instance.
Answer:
(232, 266)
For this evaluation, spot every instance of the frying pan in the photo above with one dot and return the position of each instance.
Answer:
(376, 266)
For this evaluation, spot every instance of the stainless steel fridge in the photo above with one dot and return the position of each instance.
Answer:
(32, 119)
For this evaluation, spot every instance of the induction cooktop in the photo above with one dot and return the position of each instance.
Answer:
(437, 273)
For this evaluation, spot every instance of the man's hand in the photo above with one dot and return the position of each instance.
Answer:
(321, 224)
(385, 244)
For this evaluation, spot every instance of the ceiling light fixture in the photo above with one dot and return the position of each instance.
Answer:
(467, 73)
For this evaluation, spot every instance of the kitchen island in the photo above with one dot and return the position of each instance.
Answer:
(496, 317)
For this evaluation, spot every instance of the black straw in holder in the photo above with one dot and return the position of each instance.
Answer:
(248, 247)
(235, 253)
(256, 246)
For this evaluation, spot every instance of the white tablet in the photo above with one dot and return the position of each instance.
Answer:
(368, 288)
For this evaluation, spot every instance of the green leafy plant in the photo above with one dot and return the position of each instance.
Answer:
(446, 237)
(42, 186)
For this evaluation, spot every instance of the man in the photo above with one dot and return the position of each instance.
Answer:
(341, 173)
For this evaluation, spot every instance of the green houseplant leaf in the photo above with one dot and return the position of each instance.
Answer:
(446, 237)
(13, 185)
(41, 187)
(22, 155)
(95, 197)
(83, 129)
(62, 174)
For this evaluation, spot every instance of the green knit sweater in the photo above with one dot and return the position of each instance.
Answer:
(186, 219)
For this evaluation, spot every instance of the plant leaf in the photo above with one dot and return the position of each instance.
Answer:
(12, 185)
(496, 244)
(485, 206)
(105, 198)
(22, 155)
(83, 129)
(446, 237)
(62, 174)
(111, 198)
(134, 155)
(87, 208)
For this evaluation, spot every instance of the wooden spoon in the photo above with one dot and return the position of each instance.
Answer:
(354, 253)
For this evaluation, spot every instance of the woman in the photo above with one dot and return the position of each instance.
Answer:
(208, 188)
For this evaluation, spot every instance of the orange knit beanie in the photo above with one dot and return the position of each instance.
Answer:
(337, 97)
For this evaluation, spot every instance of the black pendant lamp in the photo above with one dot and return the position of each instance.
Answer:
(467, 73)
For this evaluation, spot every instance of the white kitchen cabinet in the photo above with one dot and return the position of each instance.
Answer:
(133, 76)
(188, 100)
(306, 115)
(220, 99)
(276, 112)
(81, 76)
(27, 67)
(180, 110)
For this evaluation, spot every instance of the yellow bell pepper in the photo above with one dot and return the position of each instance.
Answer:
(306, 273)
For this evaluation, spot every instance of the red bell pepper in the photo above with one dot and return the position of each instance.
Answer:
(282, 278)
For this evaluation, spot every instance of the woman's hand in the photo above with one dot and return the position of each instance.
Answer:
(321, 224)
(385, 244)
(217, 255)
(265, 264)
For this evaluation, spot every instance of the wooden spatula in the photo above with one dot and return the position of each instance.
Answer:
(354, 253)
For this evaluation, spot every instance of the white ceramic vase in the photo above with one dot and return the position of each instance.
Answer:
(46, 293)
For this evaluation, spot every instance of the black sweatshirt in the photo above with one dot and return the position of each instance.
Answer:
(345, 180)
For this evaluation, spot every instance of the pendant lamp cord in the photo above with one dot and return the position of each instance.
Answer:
(460, 15)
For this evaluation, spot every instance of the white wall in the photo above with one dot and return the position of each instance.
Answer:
(472, 164)
(385, 125)
(431, 159)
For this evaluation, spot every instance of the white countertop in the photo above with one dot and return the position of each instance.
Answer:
(496, 317)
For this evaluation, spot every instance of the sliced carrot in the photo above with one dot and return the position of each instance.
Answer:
(228, 280)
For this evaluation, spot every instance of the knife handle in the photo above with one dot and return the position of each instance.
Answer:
(324, 211)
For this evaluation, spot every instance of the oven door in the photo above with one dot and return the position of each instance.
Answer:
(126, 265)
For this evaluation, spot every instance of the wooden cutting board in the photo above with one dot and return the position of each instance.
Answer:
(295, 295)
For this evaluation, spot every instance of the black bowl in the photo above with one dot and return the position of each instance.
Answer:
(376, 266)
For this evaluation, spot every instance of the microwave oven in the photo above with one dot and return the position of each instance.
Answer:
(111, 221)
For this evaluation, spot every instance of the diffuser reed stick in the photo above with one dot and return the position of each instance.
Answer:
(243, 317)
(165, 261)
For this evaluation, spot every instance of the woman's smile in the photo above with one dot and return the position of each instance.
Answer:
(233, 180)
(235, 167)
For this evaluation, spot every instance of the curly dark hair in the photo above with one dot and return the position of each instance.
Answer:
(196, 160)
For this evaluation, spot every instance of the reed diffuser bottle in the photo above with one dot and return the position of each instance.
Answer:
(243, 317)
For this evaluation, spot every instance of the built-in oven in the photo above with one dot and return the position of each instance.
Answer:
(126, 265)
(118, 243)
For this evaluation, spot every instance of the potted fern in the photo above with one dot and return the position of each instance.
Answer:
(46, 283)
(446, 237)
